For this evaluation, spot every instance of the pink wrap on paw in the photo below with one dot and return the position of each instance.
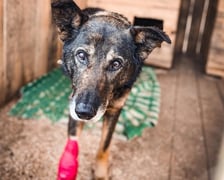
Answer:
(68, 165)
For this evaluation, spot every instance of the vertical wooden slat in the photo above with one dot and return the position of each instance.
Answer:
(13, 27)
(182, 21)
(195, 26)
(20, 44)
(48, 44)
(43, 22)
(215, 62)
(209, 27)
(219, 173)
(27, 40)
(2, 61)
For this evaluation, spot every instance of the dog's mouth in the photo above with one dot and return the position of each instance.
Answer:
(85, 112)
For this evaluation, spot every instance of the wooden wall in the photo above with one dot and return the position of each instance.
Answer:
(204, 34)
(2, 81)
(215, 63)
(28, 43)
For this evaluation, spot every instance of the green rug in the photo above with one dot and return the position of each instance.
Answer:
(47, 97)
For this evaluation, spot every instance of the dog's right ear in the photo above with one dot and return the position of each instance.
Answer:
(68, 18)
(148, 38)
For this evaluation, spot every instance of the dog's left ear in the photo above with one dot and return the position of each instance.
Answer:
(68, 17)
(148, 38)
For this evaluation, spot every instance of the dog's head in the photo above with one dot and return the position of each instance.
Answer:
(103, 54)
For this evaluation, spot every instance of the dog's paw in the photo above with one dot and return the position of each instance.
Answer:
(101, 172)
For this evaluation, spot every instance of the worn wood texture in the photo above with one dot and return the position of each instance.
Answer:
(220, 85)
(183, 15)
(161, 137)
(206, 35)
(2, 62)
(212, 119)
(195, 27)
(219, 173)
(28, 43)
(189, 155)
(162, 10)
(215, 63)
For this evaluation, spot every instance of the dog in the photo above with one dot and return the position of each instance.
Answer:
(103, 55)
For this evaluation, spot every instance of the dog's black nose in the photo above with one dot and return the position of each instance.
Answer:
(85, 111)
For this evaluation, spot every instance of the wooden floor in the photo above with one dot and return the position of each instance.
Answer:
(191, 121)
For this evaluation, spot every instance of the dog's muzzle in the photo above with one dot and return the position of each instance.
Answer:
(86, 107)
(85, 111)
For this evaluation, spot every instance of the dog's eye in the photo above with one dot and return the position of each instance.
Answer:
(115, 65)
(82, 57)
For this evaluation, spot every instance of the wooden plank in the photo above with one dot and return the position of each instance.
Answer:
(43, 38)
(219, 173)
(20, 43)
(214, 55)
(212, 113)
(48, 45)
(208, 30)
(161, 136)
(189, 155)
(220, 85)
(195, 27)
(26, 41)
(215, 65)
(182, 21)
(2, 59)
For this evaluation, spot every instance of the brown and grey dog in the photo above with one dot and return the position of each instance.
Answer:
(103, 55)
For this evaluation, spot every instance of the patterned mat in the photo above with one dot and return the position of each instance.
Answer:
(47, 97)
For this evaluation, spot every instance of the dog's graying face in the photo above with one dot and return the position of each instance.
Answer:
(102, 55)
(100, 61)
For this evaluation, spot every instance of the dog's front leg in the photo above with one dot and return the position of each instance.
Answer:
(74, 128)
(68, 165)
(109, 123)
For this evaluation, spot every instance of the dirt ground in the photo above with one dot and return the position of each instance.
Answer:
(30, 149)
(183, 146)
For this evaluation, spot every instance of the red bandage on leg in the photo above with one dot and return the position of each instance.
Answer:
(68, 165)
